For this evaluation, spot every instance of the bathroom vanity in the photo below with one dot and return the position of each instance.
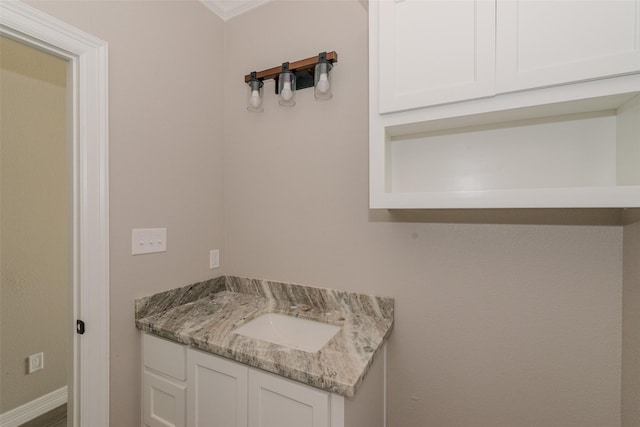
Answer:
(241, 352)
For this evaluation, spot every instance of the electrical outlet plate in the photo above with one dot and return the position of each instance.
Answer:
(214, 258)
(35, 362)
(148, 240)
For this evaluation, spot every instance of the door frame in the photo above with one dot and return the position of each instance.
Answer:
(87, 86)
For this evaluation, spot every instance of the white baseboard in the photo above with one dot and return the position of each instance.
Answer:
(34, 409)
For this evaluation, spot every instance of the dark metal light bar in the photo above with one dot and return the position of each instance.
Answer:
(304, 65)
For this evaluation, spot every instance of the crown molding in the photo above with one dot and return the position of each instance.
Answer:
(227, 9)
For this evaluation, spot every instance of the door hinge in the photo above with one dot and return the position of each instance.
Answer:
(79, 327)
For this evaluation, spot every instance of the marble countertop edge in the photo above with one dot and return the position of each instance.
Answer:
(203, 315)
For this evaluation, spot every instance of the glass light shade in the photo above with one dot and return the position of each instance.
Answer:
(322, 81)
(254, 97)
(287, 89)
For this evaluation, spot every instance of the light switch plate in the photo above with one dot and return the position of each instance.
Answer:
(148, 240)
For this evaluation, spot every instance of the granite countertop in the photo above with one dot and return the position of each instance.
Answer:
(204, 314)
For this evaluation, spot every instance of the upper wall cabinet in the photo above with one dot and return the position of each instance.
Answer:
(544, 43)
(440, 51)
(432, 52)
(504, 104)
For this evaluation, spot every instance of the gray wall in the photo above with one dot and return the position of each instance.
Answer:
(166, 157)
(631, 321)
(502, 319)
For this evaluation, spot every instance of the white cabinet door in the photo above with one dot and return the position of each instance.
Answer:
(277, 402)
(217, 391)
(433, 51)
(544, 43)
(163, 401)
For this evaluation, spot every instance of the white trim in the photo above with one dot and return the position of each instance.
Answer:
(87, 56)
(227, 9)
(34, 409)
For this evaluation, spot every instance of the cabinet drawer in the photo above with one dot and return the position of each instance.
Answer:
(164, 356)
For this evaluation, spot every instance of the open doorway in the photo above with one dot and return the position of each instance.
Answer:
(35, 232)
(87, 161)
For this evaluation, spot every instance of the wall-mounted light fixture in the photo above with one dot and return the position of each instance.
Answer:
(287, 86)
(321, 78)
(289, 77)
(254, 101)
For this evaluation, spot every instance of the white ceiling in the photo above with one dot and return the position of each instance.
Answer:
(229, 8)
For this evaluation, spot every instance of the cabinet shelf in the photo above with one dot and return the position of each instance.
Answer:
(571, 154)
(558, 125)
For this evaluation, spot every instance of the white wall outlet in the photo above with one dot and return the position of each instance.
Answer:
(214, 258)
(35, 362)
(148, 240)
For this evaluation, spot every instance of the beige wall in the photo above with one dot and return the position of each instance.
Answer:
(631, 321)
(34, 279)
(503, 318)
(166, 157)
(499, 321)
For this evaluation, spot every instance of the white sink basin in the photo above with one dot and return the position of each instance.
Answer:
(288, 331)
